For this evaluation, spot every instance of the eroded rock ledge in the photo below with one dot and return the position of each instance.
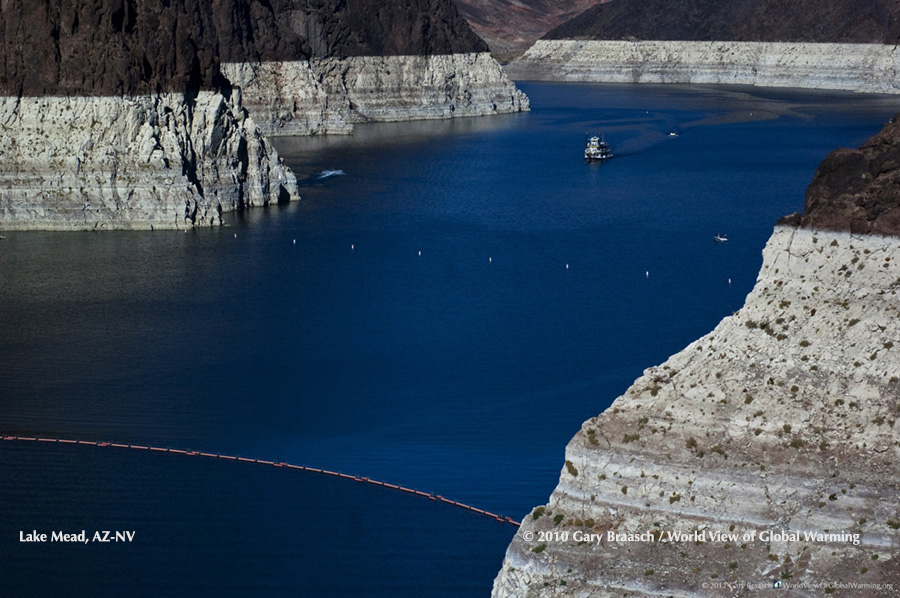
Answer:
(872, 68)
(131, 162)
(330, 95)
(782, 419)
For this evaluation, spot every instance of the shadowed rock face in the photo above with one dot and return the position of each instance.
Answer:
(511, 26)
(116, 47)
(857, 190)
(847, 21)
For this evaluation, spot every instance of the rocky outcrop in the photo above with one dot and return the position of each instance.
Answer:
(776, 426)
(329, 95)
(156, 161)
(765, 452)
(856, 67)
(857, 190)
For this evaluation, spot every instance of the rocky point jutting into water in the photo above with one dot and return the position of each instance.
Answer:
(766, 451)
(847, 44)
(134, 114)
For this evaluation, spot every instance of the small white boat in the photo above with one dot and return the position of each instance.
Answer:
(597, 149)
(720, 238)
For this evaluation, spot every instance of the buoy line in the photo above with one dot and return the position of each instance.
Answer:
(281, 464)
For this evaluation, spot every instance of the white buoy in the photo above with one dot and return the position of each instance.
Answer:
(420, 253)
(351, 247)
(490, 259)
(567, 266)
(729, 281)
(647, 273)
(295, 241)
(235, 235)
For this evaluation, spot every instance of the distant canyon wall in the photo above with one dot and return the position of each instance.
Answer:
(330, 95)
(133, 162)
(871, 68)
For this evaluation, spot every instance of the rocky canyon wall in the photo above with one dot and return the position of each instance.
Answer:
(764, 455)
(856, 67)
(137, 114)
(330, 95)
(779, 421)
(150, 161)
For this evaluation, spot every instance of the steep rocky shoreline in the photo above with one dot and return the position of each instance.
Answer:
(871, 68)
(131, 114)
(153, 161)
(778, 428)
(330, 95)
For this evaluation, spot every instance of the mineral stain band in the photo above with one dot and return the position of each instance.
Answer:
(187, 452)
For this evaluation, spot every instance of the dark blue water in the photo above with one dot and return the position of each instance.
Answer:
(321, 335)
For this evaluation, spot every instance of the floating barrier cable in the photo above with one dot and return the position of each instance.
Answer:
(188, 452)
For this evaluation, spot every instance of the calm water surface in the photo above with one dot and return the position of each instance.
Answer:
(443, 315)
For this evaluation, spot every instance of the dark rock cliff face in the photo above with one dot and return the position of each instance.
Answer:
(846, 21)
(116, 47)
(857, 190)
(511, 26)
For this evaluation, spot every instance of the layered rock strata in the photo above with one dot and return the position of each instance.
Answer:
(330, 95)
(152, 161)
(870, 68)
(764, 453)
(123, 114)
(778, 424)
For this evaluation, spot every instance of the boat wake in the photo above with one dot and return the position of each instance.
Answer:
(325, 174)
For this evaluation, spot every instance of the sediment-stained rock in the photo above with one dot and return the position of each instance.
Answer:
(872, 68)
(121, 114)
(780, 421)
(329, 95)
(765, 452)
(153, 161)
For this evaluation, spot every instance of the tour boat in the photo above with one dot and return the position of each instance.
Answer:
(597, 149)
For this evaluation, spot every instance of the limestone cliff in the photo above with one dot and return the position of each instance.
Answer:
(154, 161)
(844, 44)
(764, 453)
(330, 95)
(870, 68)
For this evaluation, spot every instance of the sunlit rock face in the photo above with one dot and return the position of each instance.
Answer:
(765, 452)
